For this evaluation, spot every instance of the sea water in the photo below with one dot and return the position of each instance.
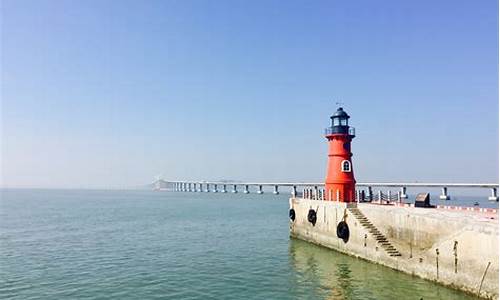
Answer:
(84, 244)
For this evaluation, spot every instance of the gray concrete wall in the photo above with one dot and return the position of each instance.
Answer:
(454, 248)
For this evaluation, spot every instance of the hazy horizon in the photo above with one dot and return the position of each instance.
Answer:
(112, 94)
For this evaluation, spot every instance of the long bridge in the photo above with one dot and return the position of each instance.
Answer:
(222, 186)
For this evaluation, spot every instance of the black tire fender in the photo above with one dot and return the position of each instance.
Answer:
(291, 214)
(343, 231)
(311, 216)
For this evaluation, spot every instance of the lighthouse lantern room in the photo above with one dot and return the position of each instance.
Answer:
(340, 182)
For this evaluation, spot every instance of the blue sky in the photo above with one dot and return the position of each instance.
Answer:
(113, 93)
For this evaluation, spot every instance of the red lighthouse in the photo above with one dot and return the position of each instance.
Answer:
(340, 182)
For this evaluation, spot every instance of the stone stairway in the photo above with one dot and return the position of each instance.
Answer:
(381, 239)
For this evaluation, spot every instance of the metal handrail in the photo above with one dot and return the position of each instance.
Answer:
(352, 131)
(335, 130)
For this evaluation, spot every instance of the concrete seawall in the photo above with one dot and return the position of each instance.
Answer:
(455, 248)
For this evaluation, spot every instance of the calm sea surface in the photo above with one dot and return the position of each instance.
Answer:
(71, 244)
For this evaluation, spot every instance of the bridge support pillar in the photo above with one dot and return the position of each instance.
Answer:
(235, 190)
(207, 188)
(276, 192)
(370, 193)
(294, 191)
(246, 191)
(215, 189)
(260, 190)
(403, 194)
(223, 189)
(444, 194)
(200, 187)
(494, 196)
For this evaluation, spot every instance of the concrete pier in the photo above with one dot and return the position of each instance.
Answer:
(454, 248)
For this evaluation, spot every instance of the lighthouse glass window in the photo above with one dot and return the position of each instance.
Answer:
(346, 166)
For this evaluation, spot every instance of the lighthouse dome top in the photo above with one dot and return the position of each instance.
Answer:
(340, 113)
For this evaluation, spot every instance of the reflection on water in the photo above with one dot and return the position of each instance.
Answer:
(340, 277)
